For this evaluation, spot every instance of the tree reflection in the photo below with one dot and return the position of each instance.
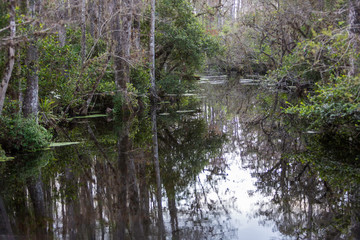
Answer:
(304, 201)
(186, 146)
(105, 187)
(6, 232)
(310, 190)
(24, 197)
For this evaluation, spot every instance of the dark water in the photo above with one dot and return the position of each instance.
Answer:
(232, 167)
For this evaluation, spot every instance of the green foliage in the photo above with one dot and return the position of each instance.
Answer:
(171, 84)
(335, 157)
(333, 107)
(22, 134)
(46, 113)
(118, 101)
(316, 59)
(181, 41)
(131, 96)
(58, 70)
(181, 33)
(140, 79)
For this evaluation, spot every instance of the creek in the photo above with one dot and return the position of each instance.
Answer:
(232, 167)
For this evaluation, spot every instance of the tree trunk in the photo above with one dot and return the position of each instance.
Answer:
(11, 58)
(144, 195)
(75, 9)
(36, 192)
(152, 50)
(5, 227)
(100, 17)
(126, 43)
(137, 23)
(92, 17)
(121, 204)
(354, 35)
(83, 31)
(137, 228)
(61, 29)
(32, 87)
(157, 169)
(116, 35)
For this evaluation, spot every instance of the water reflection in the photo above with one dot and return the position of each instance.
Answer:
(236, 169)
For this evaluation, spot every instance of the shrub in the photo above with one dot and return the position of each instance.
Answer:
(332, 107)
(22, 134)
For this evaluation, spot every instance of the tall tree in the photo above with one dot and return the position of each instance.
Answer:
(122, 38)
(116, 35)
(83, 31)
(31, 99)
(137, 25)
(126, 42)
(152, 50)
(157, 168)
(11, 56)
(354, 34)
(153, 118)
(32, 83)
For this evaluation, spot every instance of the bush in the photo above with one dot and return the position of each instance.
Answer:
(332, 107)
(22, 134)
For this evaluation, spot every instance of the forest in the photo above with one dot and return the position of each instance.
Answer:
(144, 119)
(64, 58)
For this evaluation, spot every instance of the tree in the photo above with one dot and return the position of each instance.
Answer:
(31, 99)
(354, 35)
(11, 56)
(152, 50)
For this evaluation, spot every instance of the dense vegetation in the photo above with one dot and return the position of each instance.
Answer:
(307, 47)
(60, 59)
(68, 58)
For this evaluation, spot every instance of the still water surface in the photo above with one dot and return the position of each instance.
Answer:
(231, 168)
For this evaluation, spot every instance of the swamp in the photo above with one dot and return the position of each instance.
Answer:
(180, 119)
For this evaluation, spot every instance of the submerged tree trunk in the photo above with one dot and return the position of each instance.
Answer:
(144, 196)
(121, 204)
(11, 57)
(5, 227)
(354, 35)
(157, 169)
(32, 88)
(137, 229)
(36, 192)
(170, 192)
(128, 187)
